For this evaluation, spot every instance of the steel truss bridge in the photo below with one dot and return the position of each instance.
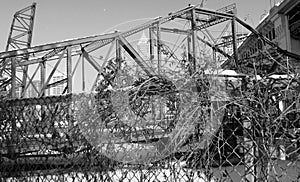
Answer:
(136, 109)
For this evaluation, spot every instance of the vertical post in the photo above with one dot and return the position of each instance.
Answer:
(83, 74)
(118, 50)
(234, 43)
(24, 80)
(13, 78)
(158, 48)
(69, 70)
(151, 43)
(194, 38)
(189, 54)
(43, 74)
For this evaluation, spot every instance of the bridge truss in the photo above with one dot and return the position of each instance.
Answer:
(146, 106)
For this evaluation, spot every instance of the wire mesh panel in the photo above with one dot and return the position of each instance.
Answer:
(80, 138)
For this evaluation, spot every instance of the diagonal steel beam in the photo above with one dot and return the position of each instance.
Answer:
(103, 64)
(51, 74)
(30, 81)
(91, 60)
(76, 65)
(60, 82)
(214, 47)
(135, 55)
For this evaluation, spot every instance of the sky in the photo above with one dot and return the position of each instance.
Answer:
(58, 20)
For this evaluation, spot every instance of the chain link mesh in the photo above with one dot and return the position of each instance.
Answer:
(43, 139)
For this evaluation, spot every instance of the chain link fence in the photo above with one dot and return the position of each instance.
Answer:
(252, 136)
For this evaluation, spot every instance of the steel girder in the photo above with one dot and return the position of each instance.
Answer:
(81, 47)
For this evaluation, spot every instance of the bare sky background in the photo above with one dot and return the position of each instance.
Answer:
(58, 20)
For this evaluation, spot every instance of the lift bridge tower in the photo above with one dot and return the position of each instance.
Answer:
(20, 36)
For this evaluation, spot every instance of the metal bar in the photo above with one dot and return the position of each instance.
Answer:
(57, 83)
(234, 44)
(151, 43)
(13, 78)
(24, 16)
(24, 79)
(158, 35)
(17, 79)
(22, 23)
(43, 73)
(10, 34)
(23, 43)
(91, 61)
(76, 65)
(189, 56)
(226, 43)
(206, 25)
(25, 22)
(35, 61)
(194, 37)
(83, 74)
(213, 13)
(69, 70)
(118, 50)
(214, 47)
(29, 39)
(108, 53)
(20, 35)
(174, 30)
(14, 45)
(30, 81)
(134, 54)
(20, 29)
